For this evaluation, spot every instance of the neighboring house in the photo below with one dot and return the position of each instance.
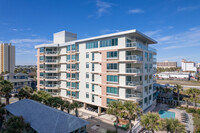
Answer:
(44, 119)
(188, 65)
(166, 64)
(97, 70)
(174, 75)
(19, 80)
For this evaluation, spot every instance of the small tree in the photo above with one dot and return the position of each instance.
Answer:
(25, 92)
(44, 96)
(16, 125)
(173, 126)
(115, 108)
(68, 106)
(76, 106)
(178, 88)
(6, 88)
(151, 121)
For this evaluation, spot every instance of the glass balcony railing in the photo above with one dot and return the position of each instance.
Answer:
(51, 52)
(134, 57)
(139, 45)
(133, 83)
(51, 85)
(134, 95)
(50, 69)
(51, 60)
(51, 77)
(133, 70)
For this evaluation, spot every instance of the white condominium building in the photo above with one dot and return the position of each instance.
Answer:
(97, 70)
(188, 65)
(7, 58)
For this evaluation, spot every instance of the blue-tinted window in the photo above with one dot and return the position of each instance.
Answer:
(109, 42)
(112, 66)
(68, 48)
(41, 50)
(112, 78)
(112, 90)
(109, 100)
(112, 54)
(90, 45)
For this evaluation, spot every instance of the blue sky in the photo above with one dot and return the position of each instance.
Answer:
(175, 24)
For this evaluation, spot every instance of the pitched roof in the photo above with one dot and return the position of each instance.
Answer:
(45, 119)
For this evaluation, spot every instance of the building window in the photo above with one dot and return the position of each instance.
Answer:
(68, 48)
(92, 56)
(145, 100)
(87, 95)
(112, 90)
(73, 85)
(146, 77)
(87, 64)
(68, 93)
(110, 100)
(87, 75)
(146, 66)
(73, 66)
(73, 47)
(92, 77)
(68, 84)
(92, 66)
(41, 50)
(41, 74)
(112, 54)
(90, 45)
(87, 55)
(112, 66)
(92, 88)
(112, 78)
(68, 66)
(68, 75)
(73, 75)
(146, 55)
(109, 42)
(87, 85)
(68, 57)
(41, 58)
(92, 98)
(150, 98)
(41, 82)
(41, 66)
(74, 57)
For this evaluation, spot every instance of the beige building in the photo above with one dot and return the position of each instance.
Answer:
(7, 57)
(166, 64)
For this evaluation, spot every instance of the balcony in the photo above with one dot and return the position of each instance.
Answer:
(52, 86)
(134, 57)
(152, 49)
(142, 46)
(134, 95)
(51, 61)
(133, 70)
(51, 53)
(52, 77)
(133, 83)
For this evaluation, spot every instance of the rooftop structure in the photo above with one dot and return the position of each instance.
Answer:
(166, 64)
(188, 65)
(97, 70)
(44, 119)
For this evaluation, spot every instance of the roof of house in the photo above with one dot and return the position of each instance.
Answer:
(45, 119)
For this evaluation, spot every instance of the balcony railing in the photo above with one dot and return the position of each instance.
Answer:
(51, 85)
(134, 57)
(133, 83)
(50, 69)
(133, 70)
(134, 95)
(142, 46)
(51, 52)
(51, 77)
(51, 60)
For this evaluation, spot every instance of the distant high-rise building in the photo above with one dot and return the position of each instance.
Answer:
(7, 57)
(188, 65)
(166, 64)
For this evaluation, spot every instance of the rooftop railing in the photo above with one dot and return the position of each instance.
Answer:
(139, 45)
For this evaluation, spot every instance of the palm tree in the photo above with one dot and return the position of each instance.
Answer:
(68, 106)
(76, 106)
(193, 93)
(56, 102)
(151, 121)
(16, 124)
(178, 88)
(25, 92)
(44, 96)
(173, 126)
(36, 98)
(6, 88)
(131, 112)
(115, 108)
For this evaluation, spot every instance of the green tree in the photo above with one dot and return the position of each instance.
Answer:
(16, 125)
(6, 88)
(131, 111)
(178, 88)
(25, 92)
(44, 96)
(194, 95)
(115, 108)
(56, 102)
(151, 121)
(173, 126)
(76, 105)
(36, 98)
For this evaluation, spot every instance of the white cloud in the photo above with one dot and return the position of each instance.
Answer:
(15, 29)
(190, 8)
(133, 11)
(29, 41)
(151, 33)
(103, 7)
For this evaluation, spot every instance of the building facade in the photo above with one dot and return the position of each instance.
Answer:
(188, 65)
(7, 57)
(97, 70)
(166, 64)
